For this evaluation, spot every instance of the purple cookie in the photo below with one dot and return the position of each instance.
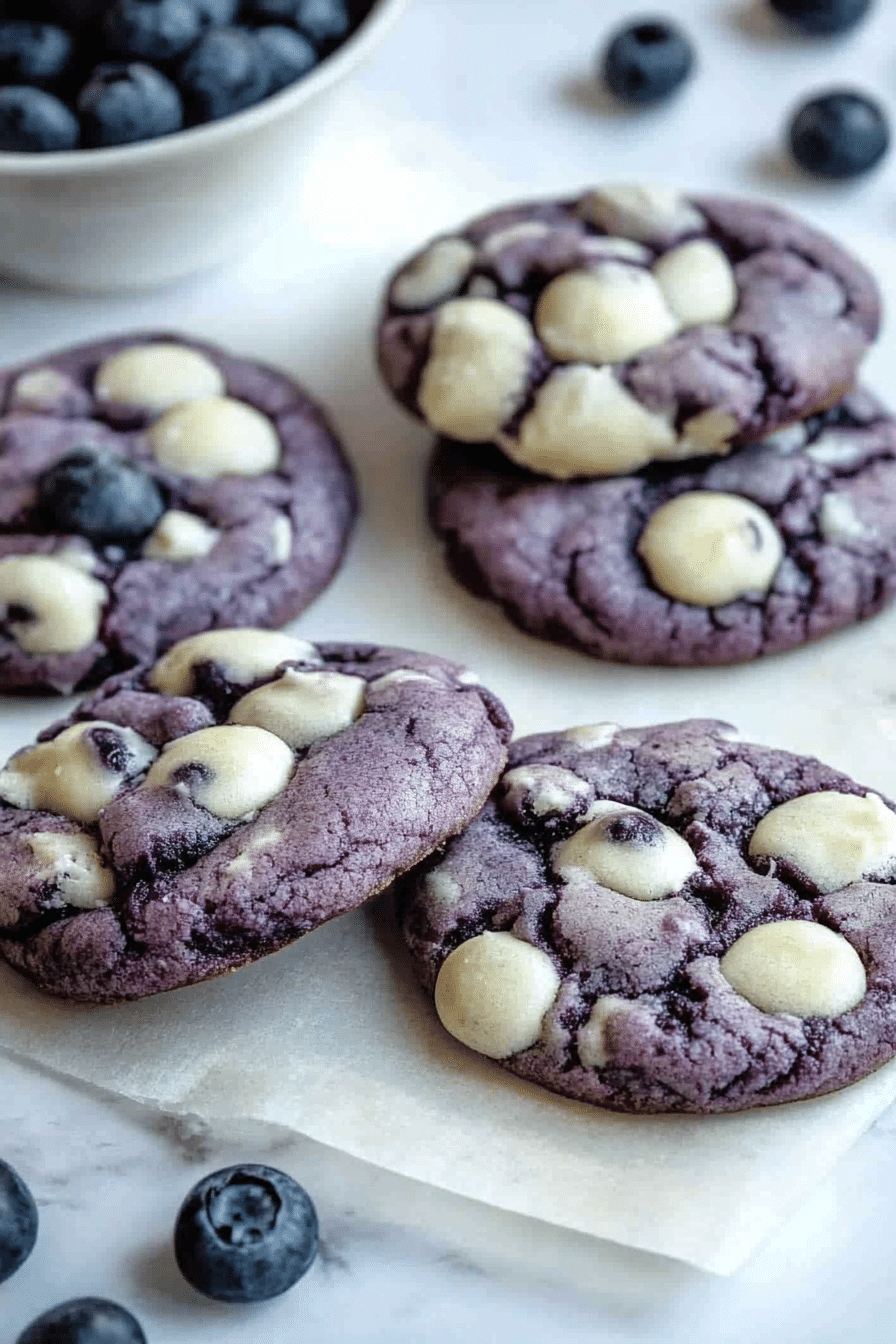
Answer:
(778, 544)
(152, 486)
(589, 337)
(191, 817)
(666, 919)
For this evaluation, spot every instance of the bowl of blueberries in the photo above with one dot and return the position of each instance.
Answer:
(144, 140)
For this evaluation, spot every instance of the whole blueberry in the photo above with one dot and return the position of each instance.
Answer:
(217, 11)
(822, 18)
(321, 20)
(227, 71)
(245, 1234)
(85, 1320)
(98, 496)
(646, 61)
(840, 134)
(33, 121)
(18, 1221)
(152, 30)
(123, 103)
(34, 53)
(290, 55)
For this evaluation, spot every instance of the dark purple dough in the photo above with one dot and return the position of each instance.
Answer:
(195, 895)
(152, 603)
(680, 1037)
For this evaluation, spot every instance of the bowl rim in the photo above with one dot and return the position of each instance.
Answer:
(381, 16)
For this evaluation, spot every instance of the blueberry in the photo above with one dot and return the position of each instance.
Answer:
(152, 30)
(839, 134)
(646, 61)
(217, 11)
(227, 71)
(34, 121)
(33, 53)
(245, 1234)
(321, 20)
(18, 1222)
(289, 53)
(85, 1320)
(822, 18)
(123, 103)
(100, 497)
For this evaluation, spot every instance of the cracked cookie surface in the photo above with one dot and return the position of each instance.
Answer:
(193, 816)
(666, 919)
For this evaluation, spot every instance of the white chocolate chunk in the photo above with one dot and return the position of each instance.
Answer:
(838, 520)
(401, 675)
(436, 274)
(628, 851)
(215, 436)
(38, 388)
(243, 655)
(835, 449)
(477, 368)
(180, 536)
(796, 967)
(592, 1035)
(231, 771)
(585, 423)
(644, 213)
(157, 376)
(303, 707)
(603, 316)
(834, 838)
(443, 892)
(622, 249)
(547, 788)
(77, 554)
(492, 993)
(72, 865)
(709, 548)
(524, 232)
(281, 540)
(592, 736)
(709, 432)
(69, 776)
(63, 604)
(262, 843)
(698, 282)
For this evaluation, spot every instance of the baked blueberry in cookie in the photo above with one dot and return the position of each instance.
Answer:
(666, 919)
(198, 813)
(591, 336)
(152, 486)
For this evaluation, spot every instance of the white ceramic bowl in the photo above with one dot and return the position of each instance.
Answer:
(139, 215)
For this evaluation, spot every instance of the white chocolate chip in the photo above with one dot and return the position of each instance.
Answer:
(469, 678)
(592, 1036)
(708, 432)
(215, 436)
(547, 788)
(231, 771)
(243, 655)
(281, 540)
(477, 368)
(708, 548)
(644, 213)
(628, 851)
(501, 239)
(72, 866)
(436, 274)
(698, 282)
(179, 536)
(157, 376)
(605, 315)
(402, 675)
(492, 993)
(834, 838)
(443, 891)
(481, 287)
(39, 388)
(70, 776)
(303, 707)
(795, 967)
(592, 736)
(64, 605)
(77, 554)
(585, 423)
(790, 439)
(622, 249)
(262, 843)
(834, 449)
(838, 520)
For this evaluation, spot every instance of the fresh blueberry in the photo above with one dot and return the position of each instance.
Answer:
(18, 1222)
(245, 1234)
(152, 30)
(217, 12)
(33, 53)
(33, 121)
(290, 55)
(646, 61)
(85, 1320)
(822, 18)
(100, 497)
(123, 103)
(840, 134)
(321, 20)
(227, 71)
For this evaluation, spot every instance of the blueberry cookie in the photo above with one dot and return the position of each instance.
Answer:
(589, 337)
(195, 815)
(782, 542)
(150, 487)
(666, 919)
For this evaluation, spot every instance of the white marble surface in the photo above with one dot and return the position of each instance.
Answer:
(469, 99)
